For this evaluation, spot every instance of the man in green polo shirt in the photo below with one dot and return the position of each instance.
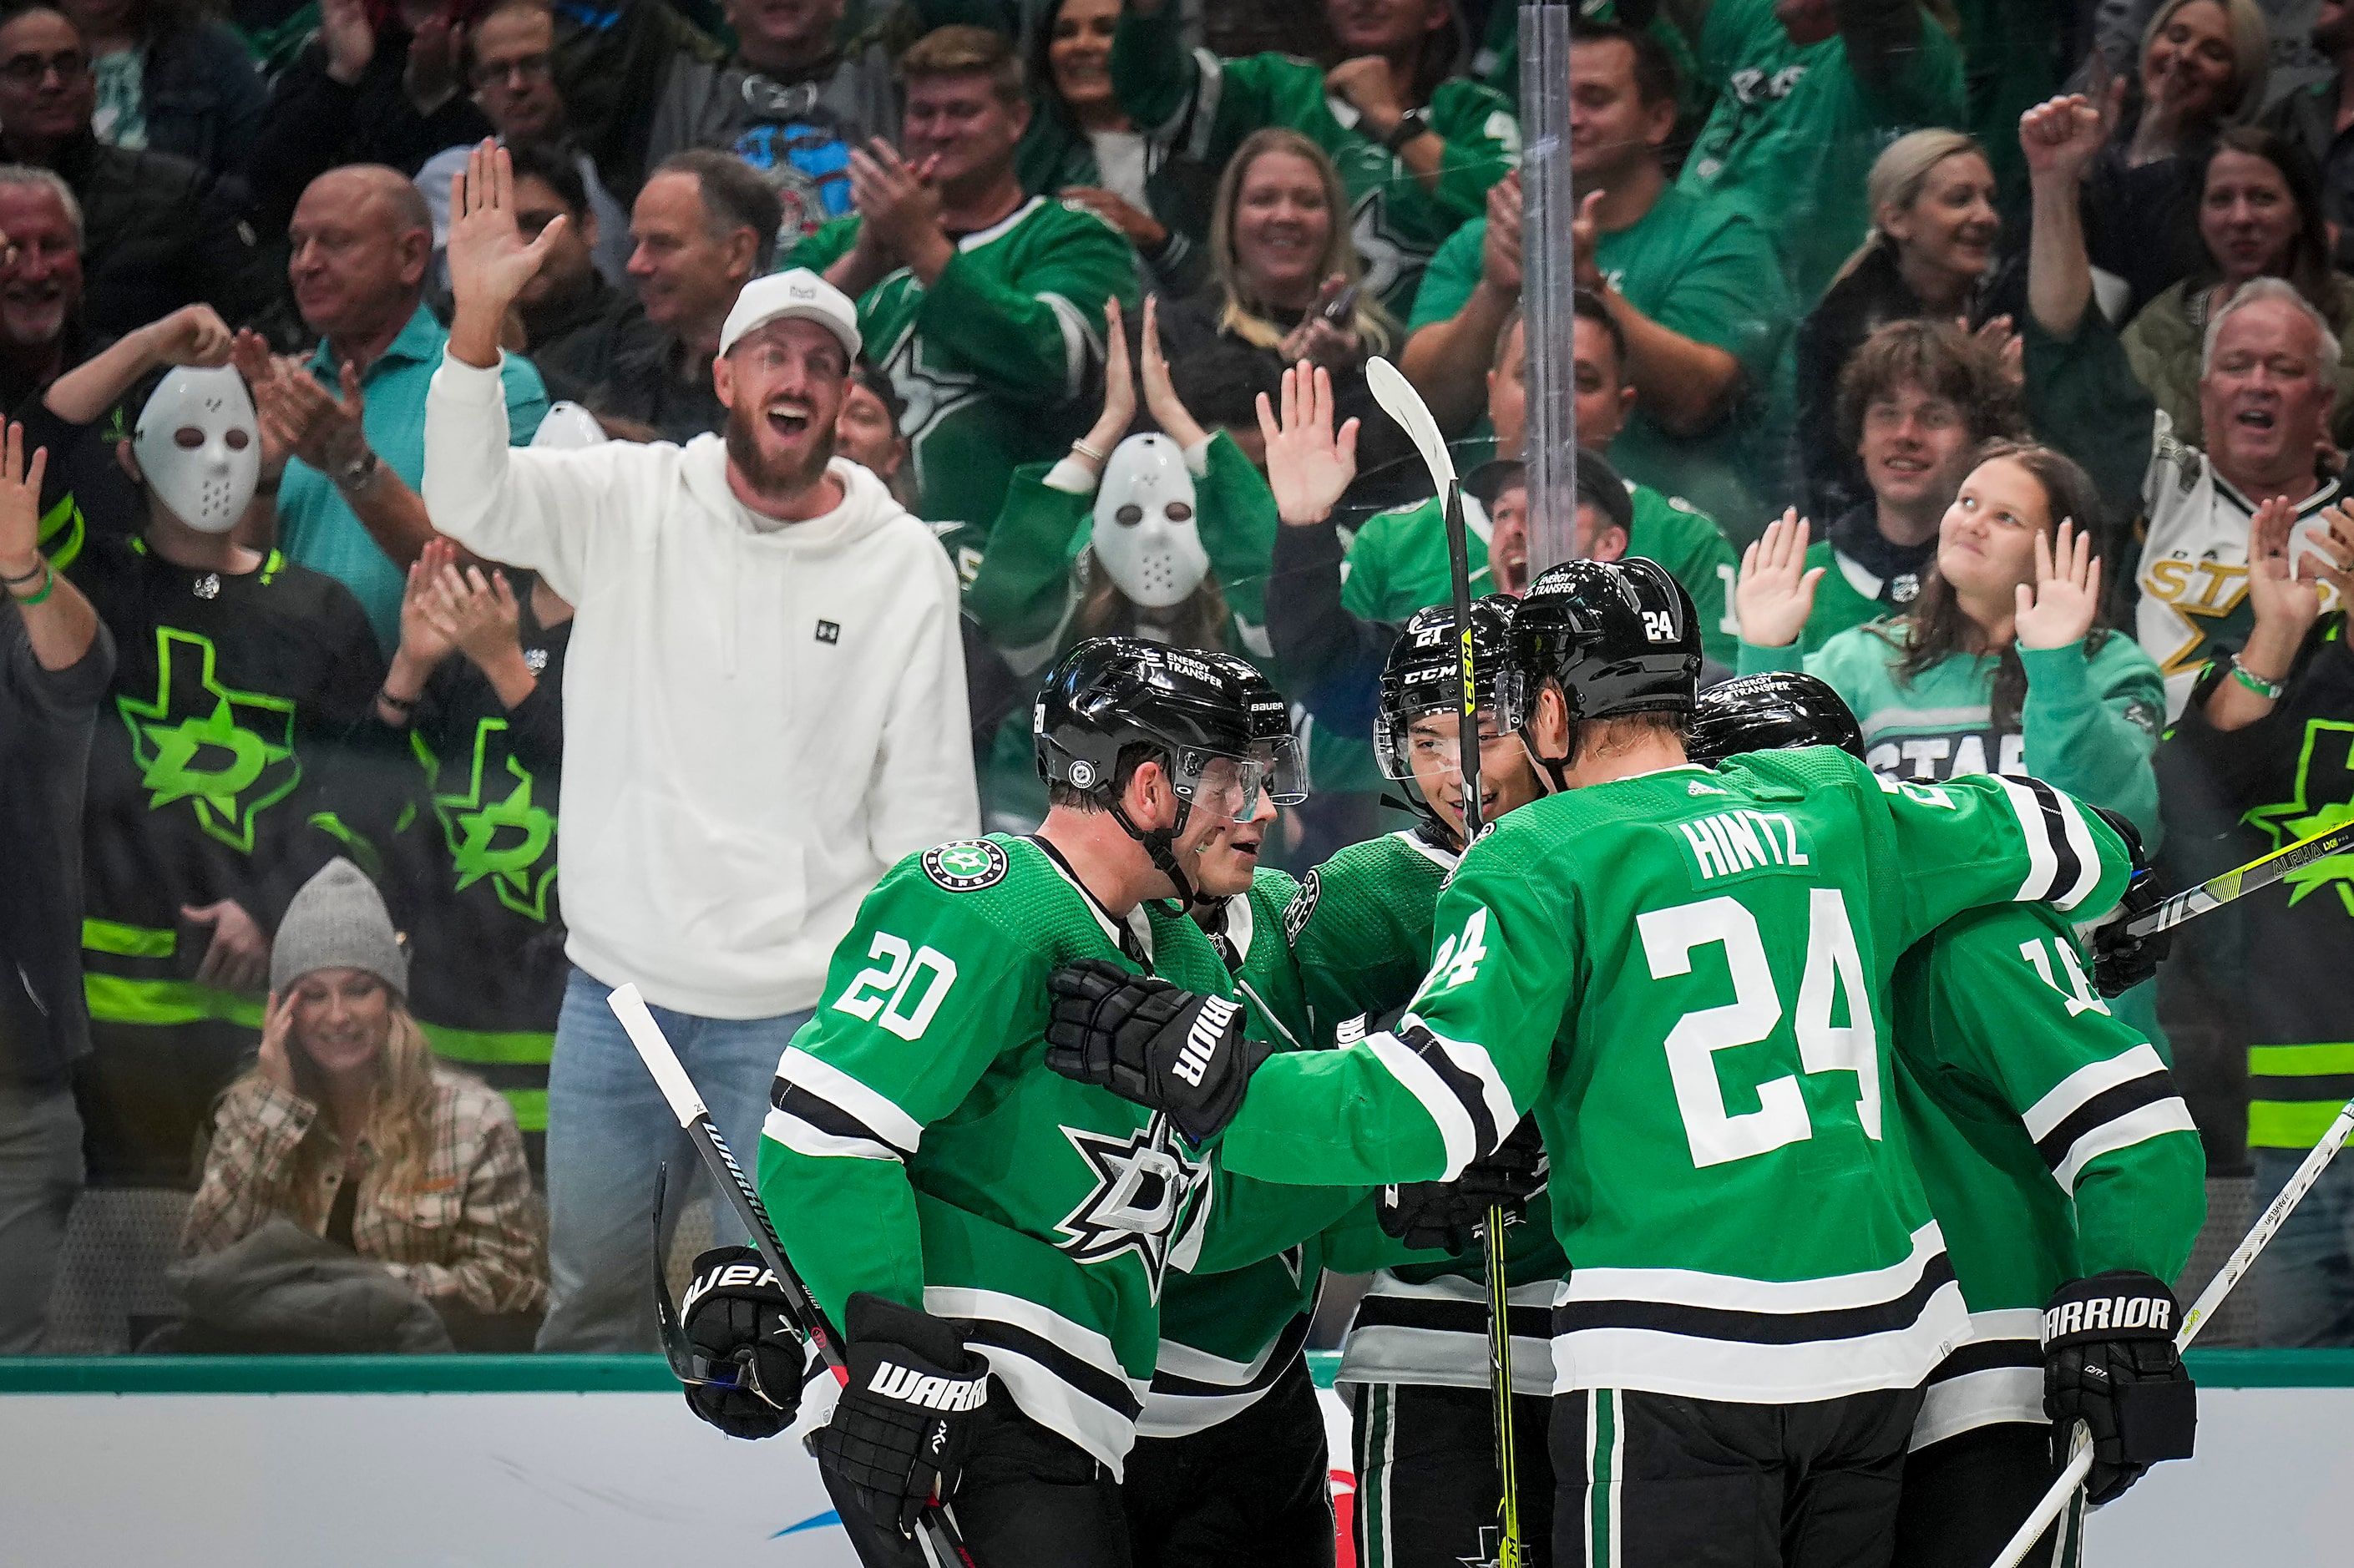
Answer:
(1809, 94)
(353, 417)
(1691, 281)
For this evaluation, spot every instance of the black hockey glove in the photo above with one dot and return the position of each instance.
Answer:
(908, 1412)
(2121, 962)
(2109, 1362)
(739, 1322)
(1443, 1215)
(1151, 1043)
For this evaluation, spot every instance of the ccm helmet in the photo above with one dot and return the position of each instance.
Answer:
(1420, 677)
(1771, 712)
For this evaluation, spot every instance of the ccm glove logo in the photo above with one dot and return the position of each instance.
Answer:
(910, 1387)
(2110, 1316)
(1202, 1040)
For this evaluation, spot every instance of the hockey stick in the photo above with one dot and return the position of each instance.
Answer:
(937, 1533)
(2234, 1268)
(1401, 402)
(2259, 873)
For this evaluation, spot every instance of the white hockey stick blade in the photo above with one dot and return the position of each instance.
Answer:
(1401, 402)
(653, 1050)
(2234, 1270)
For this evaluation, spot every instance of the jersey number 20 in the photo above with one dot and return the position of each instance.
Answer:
(1833, 965)
(884, 991)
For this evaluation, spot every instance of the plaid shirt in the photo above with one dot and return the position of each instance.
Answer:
(465, 1231)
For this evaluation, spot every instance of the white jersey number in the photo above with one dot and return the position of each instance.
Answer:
(885, 990)
(2079, 993)
(1834, 966)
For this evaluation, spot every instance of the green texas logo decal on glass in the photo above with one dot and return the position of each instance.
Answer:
(230, 754)
(504, 839)
(2324, 798)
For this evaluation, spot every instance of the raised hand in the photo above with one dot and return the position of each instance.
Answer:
(1776, 592)
(1584, 238)
(2284, 593)
(348, 37)
(1499, 252)
(1307, 467)
(898, 200)
(2059, 609)
(1160, 395)
(489, 261)
(2060, 136)
(436, 50)
(1365, 83)
(2001, 339)
(191, 335)
(20, 503)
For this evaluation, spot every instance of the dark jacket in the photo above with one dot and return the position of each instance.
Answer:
(203, 97)
(2308, 117)
(316, 123)
(567, 337)
(1179, 192)
(160, 233)
(46, 717)
(625, 364)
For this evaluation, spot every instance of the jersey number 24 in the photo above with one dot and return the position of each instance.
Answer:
(1833, 966)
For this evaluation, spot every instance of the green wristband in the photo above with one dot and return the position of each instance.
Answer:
(2269, 690)
(48, 587)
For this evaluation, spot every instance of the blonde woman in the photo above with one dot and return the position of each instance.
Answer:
(1288, 284)
(1930, 252)
(348, 1127)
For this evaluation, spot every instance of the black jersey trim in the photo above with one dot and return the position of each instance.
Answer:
(1464, 1086)
(2107, 1106)
(1287, 1345)
(2065, 867)
(1090, 1381)
(1380, 1311)
(1989, 1355)
(827, 1117)
(1760, 1327)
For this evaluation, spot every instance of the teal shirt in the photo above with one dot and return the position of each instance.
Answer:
(2088, 725)
(317, 528)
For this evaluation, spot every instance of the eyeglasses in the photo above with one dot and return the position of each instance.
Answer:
(530, 67)
(30, 71)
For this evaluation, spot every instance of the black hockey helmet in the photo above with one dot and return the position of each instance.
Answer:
(1770, 713)
(1616, 637)
(1194, 709)
(1420, 674)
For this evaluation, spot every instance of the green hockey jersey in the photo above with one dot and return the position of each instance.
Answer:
(2048, 1137)
(920, 1148)
(2088, 725)
(1225, 1337)
(1208, 105)
(990, 360)
(1361, 946)
(1681, 973)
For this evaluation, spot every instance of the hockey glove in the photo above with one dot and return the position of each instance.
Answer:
(1444, 1215)
(1151, 1043)
(2109, 1362)
(910, 1410)
(2121, 962)
(740, 1327)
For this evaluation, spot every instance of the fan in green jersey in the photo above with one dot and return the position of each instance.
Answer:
(972, 1212)
(1679, 971)
(2052, 1148)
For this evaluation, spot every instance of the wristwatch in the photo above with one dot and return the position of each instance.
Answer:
(1412, 123)
(360, 472)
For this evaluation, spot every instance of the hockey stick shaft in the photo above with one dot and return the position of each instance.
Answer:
(2216, 892)
(2234, 1270)
(941, 1541)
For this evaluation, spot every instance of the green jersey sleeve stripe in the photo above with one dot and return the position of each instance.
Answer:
(2087, 1084)
(2064, 864)
(821, 1081)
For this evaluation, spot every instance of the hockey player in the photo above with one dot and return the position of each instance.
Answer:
(1758, 1289)
(2063, 1168)
(992, 1239)
(1415, 1358)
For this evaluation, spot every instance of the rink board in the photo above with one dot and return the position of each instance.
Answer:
(593, 1460)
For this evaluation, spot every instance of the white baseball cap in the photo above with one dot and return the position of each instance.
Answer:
(796, 293)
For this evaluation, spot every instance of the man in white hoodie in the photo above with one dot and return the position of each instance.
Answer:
(763, 712)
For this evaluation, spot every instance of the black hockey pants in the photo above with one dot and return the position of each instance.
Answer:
(1427, 1476)
(1251, 1492)
(1963, 1497)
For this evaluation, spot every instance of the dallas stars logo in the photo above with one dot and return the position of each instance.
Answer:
(1142, 1183)
(230, 754)
(472, 828)
(1491, 1547)
(2325, 768)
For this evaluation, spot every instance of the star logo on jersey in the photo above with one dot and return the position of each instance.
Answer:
(504, 839)
(1141, 1185)
(2325, 768)
(2205, 593)
(230, 754)
(965, 866)
(1492, 1548)
(929, 392)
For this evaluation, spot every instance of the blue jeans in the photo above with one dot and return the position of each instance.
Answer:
(2305, 1279)
(608, 1128)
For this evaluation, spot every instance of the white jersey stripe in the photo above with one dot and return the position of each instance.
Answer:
(1689, 1287)
(1470, 1056)
(1045, 1397)
(2042, 861)
(1954, 1406)
(1446, 1113)
(799, 1136)
(2087, 1083)
(2088, 854)
(829, 1083)
(2137, 1126)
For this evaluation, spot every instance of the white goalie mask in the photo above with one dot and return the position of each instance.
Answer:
(567, 427)
(1146, 536)
(200, 445)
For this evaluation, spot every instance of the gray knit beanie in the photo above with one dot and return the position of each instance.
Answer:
(338, 922)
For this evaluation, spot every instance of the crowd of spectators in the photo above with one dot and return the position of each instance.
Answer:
(502, 500)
